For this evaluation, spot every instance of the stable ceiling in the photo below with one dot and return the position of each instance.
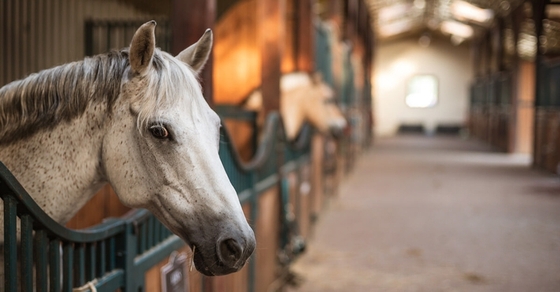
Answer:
(462, 20)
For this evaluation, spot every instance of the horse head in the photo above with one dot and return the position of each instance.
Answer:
(160, 152)
(307, 98)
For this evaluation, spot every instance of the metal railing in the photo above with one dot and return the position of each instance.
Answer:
(42, 255)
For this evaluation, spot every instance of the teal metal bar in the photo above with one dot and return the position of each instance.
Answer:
(101, 268)
(79, 265)
(91, 260)
(54, 265)
(157, 231)
(67, 266)
(41, 245)
(142, 236)
(10, 244)
(130, 245)
(26, 253)
(149, 233)
(112, 254)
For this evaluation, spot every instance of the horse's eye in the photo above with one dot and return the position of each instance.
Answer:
(159, 131)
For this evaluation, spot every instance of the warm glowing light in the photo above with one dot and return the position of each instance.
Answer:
(467, 11)
(395, 28)
(403, 68)
(392, 12)
(456, 28)
(386, 80)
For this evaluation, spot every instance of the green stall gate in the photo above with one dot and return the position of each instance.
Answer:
(42, 255)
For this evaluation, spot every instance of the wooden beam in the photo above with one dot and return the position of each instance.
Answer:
(189, 21)
(271, 22)
(539, 7)
(305, 36)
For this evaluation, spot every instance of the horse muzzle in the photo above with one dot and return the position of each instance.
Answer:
(337, 127)
(229, 255)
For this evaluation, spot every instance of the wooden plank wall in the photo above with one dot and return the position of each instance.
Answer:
(37, 35)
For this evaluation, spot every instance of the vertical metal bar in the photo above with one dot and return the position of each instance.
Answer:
(10, 244)
(40, 245)
(101, 268)
(67, 266)
(54, 265)
(157, 231)
(151, 240)
(26, 252)
(142, 237)
(130, 248)
(112, 253)
(91, 254)
(79, 265)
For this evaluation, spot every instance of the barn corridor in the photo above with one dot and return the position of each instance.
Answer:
(437, 214)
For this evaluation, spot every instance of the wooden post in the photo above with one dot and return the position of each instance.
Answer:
(189, 21)
(539, 7)
(305, 36)
(271, 21)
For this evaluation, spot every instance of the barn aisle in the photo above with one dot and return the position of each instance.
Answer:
(437, 214)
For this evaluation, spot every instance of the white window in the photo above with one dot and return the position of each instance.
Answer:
(422, 91)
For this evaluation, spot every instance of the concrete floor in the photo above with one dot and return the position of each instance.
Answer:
(437, 214)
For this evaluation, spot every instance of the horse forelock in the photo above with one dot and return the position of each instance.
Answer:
(171, 81)
(45, 99)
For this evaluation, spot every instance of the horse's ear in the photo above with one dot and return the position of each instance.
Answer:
(142, 48)
(197, 54)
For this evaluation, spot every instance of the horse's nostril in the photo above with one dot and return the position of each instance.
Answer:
(230, 252)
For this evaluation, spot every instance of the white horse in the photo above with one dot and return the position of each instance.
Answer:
(303, 98)
(137, 119)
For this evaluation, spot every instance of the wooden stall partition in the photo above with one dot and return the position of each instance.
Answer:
(550, 147)
(103, 205)
(190, 21)
(267, 229)
(237, 57)
(153, 275)
(300, 203)
(237, 65)
(540, 139)
(524, 108)
(271, 42)
(289, 56)
(298, 51)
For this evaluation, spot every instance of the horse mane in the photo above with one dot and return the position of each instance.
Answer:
(44, 99)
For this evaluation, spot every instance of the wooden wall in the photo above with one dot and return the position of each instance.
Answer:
(37, 35)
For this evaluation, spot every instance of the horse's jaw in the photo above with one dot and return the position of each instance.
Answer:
(221, 239)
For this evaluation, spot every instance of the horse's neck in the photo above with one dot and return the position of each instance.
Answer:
(292, 113)
(60, 168)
